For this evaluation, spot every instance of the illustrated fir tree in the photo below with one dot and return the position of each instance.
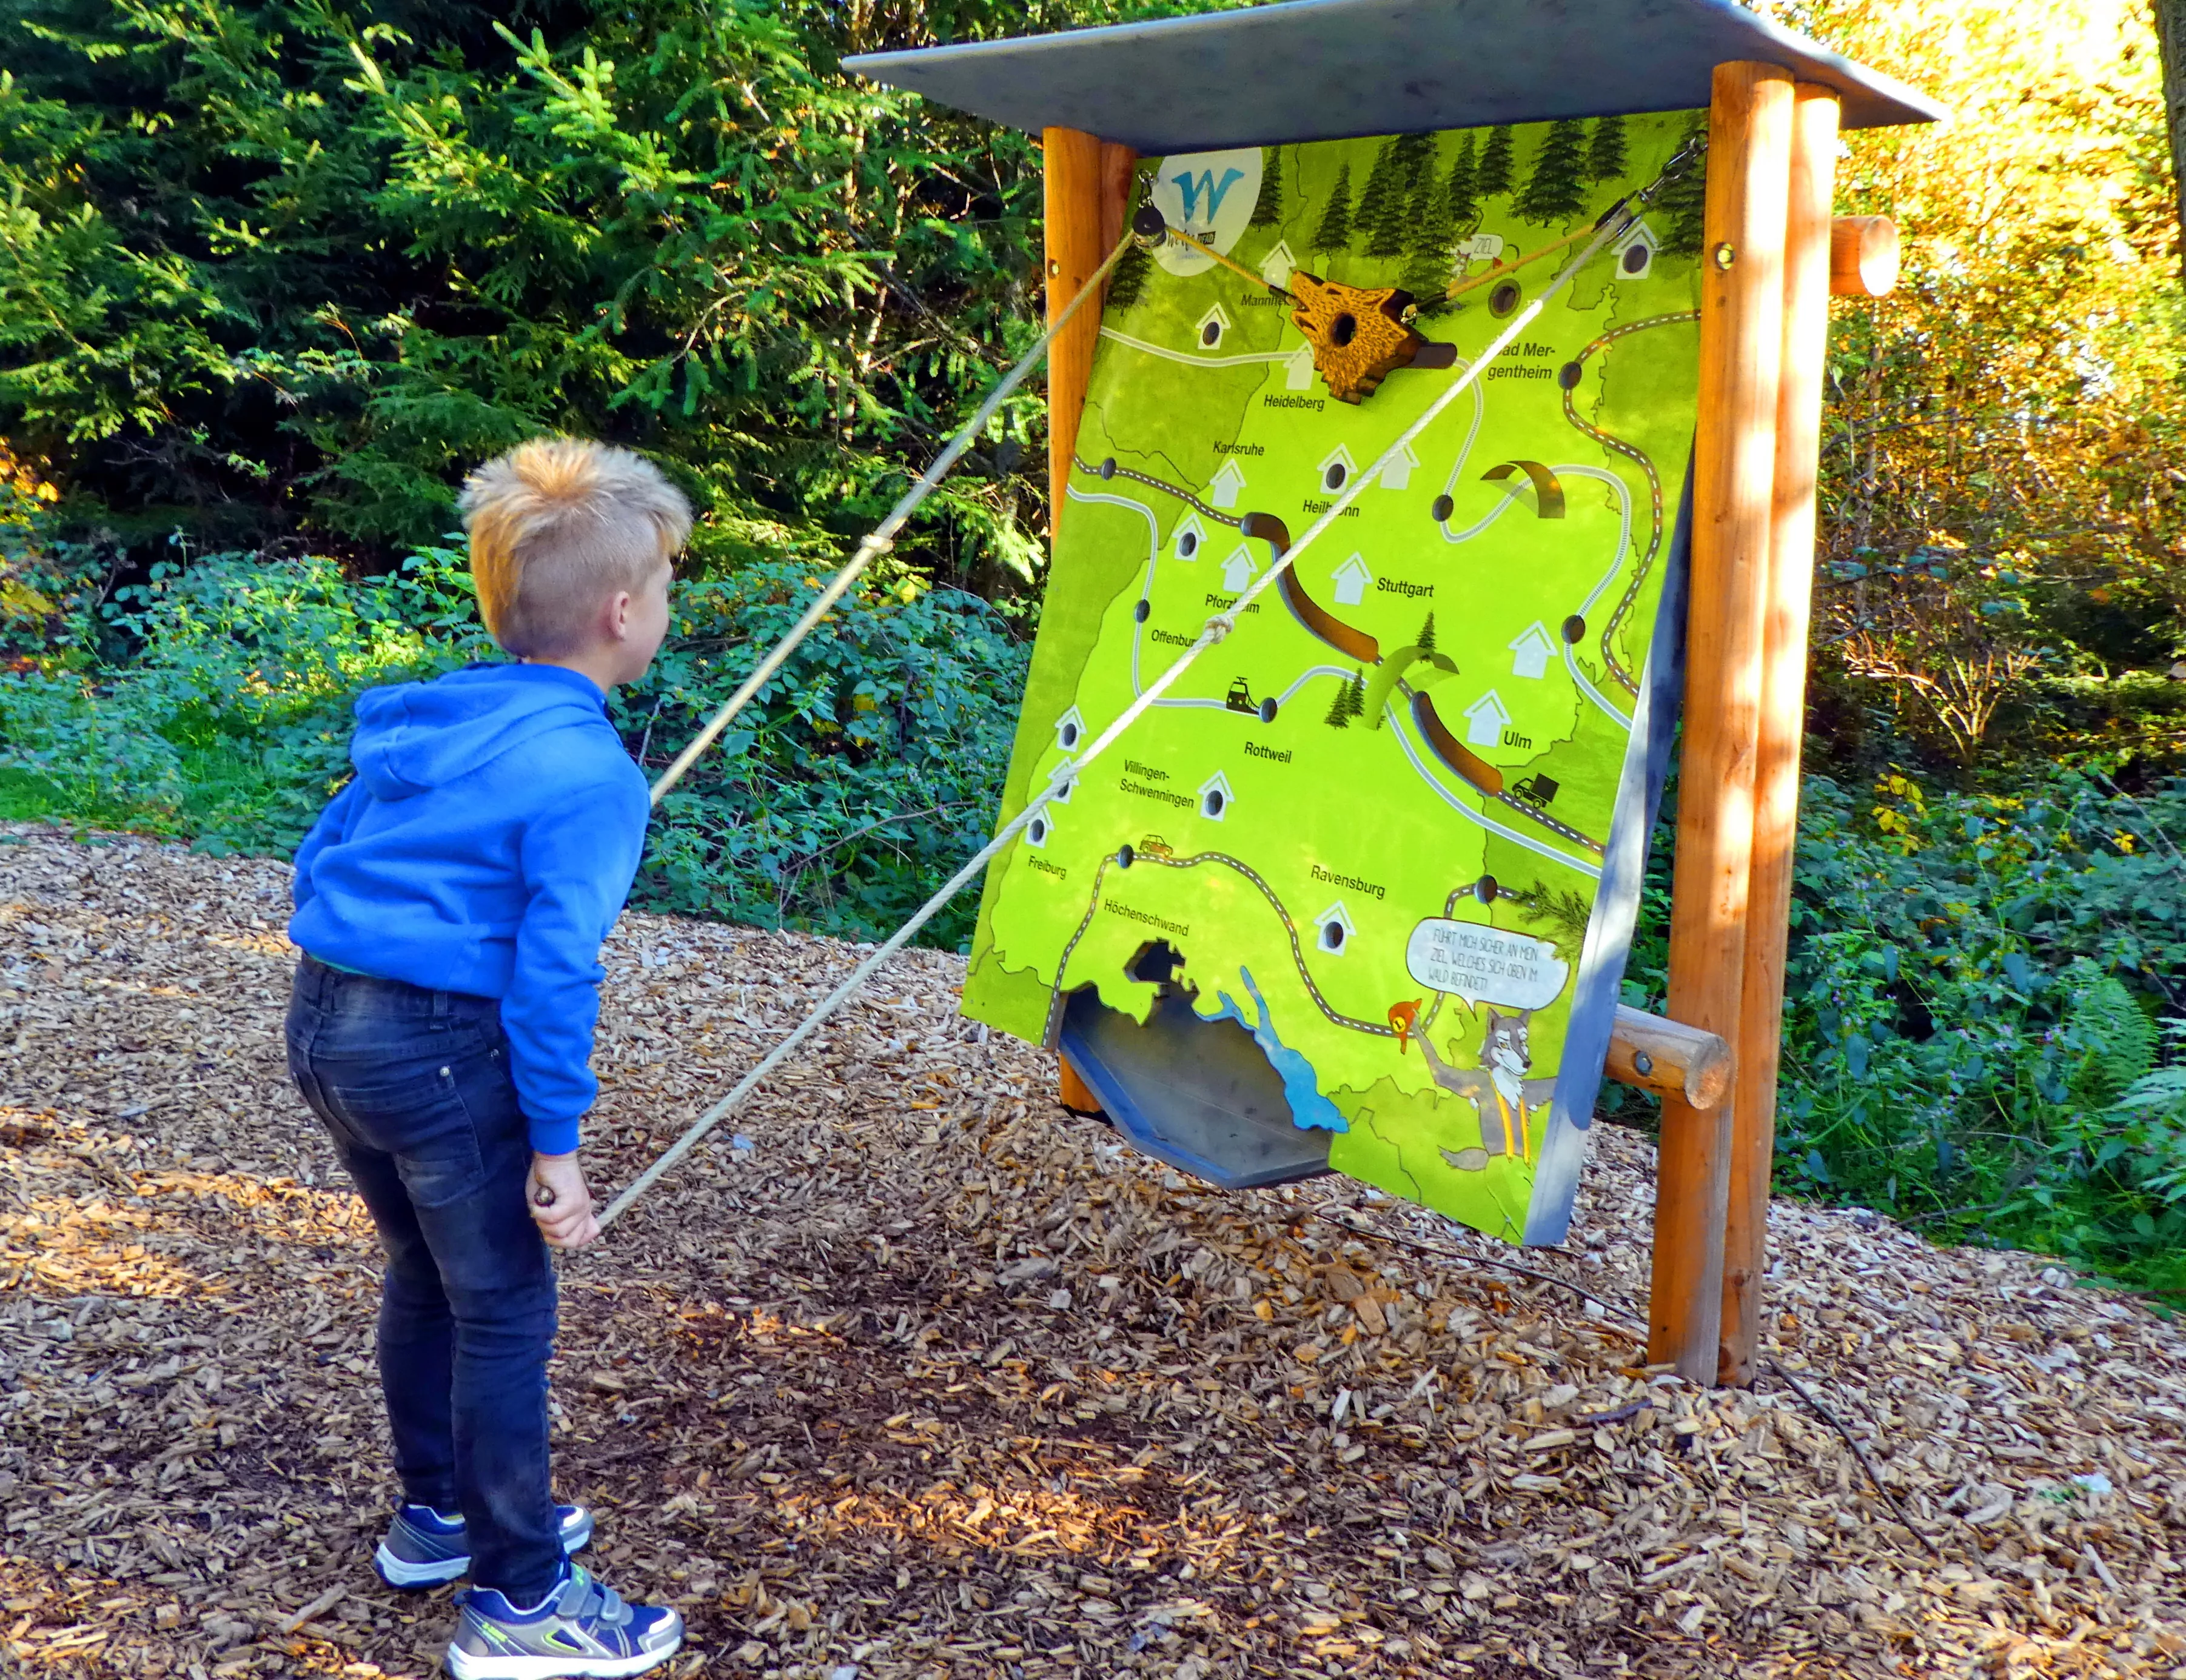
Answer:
(1461, 194)
(1682, 203)
(1430, 235)
(1383, 181)
(1339, 708)
(1494, 172)
(1397, 218)
(1267, 208)
(1416, 154)
(1605, 152)
(1127, 280)
(1354, 698)
(1425, 640)
(1334, 232)
(1556, 190)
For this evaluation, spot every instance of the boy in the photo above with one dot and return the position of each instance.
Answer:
(451, 903)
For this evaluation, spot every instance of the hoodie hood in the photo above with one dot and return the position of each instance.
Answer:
(415, 737)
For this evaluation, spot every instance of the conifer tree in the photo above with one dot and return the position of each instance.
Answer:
(1556, 190)
(1461, 194)
(1415, 155)
(1425, 640)
(1682, 201)
(1339, 708)
(1494, 175)
(1267, 208)
(1605, 152)
(1406, 206)
(1426, 275)
(1383, 181)
(1334, 232)
(1391, 234)
(1354, 701)
(1127, 280)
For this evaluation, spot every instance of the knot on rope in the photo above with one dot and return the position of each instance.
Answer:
(1218, 627)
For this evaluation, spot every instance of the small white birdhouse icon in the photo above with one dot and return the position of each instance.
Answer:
(1531, 649)
(1224, 489)
(1332, 929)
(1484, 719)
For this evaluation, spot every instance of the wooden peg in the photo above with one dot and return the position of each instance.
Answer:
(1669, 1058)
(1863, 256)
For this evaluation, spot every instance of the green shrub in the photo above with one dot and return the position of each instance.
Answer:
(859, 778)
(1973, 988)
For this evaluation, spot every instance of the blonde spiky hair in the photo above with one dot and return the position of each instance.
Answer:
(558, 522)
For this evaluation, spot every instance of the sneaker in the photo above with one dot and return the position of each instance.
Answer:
(581, 1628)
(423, 1548)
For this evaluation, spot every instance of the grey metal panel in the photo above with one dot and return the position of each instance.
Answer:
(1328, 69)
(1197, 1094)
(1616, 903)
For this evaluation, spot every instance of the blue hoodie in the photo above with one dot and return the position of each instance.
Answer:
(485, 846)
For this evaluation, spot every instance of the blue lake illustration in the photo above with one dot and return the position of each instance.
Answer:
(1308, 1108)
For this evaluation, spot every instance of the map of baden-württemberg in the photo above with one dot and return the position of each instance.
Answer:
(1372, 822)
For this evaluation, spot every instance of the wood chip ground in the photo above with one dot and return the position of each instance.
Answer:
(909, 1373)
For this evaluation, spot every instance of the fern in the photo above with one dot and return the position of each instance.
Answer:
(2117, 1041)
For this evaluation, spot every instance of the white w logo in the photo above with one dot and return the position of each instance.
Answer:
(1205, 183)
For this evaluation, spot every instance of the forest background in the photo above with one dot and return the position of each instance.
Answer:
(274, 272)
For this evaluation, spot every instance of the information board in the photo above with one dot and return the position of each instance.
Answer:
(1392, 826)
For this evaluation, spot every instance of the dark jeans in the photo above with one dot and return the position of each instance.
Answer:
(415, 1087)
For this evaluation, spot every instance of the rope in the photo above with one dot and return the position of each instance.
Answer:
(1612, 224)
(1229, 262)
(882, 536)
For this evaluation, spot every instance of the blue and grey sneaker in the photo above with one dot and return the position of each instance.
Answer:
(423, 1548)
(581, 1628)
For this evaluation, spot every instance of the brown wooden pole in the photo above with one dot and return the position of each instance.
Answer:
(1073, 1092)
(1085, 191)
(1741, 331)
(1088, 189)
(1117, 161)
(1783, 720)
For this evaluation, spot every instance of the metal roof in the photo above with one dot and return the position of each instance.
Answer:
(1328, 69)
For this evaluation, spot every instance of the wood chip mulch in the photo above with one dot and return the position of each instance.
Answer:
(909, 1373)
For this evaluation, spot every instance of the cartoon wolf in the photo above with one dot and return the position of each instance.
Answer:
(1500, 1082)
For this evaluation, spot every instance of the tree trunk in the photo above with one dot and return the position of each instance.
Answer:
(2170, 37)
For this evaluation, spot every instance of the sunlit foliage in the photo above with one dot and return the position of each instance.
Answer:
(2005, 511)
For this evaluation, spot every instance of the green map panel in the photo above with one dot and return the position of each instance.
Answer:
(1374, 822)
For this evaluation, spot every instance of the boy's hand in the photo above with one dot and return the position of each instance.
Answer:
(559, 1202)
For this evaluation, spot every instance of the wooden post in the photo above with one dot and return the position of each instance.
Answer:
(1073, 1092)
(1117, 163)
(1806, 284)
(1741, 331)
(1088, 185)
(1088, 190)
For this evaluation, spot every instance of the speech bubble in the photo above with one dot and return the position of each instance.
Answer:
(1485, 965)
